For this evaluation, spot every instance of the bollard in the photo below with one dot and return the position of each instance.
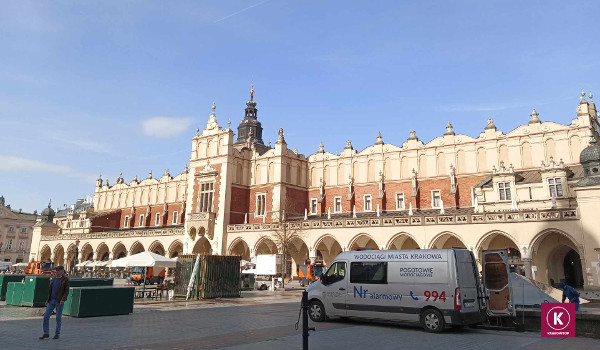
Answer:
(305, 327)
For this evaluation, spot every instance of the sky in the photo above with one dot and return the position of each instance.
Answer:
(104, 87)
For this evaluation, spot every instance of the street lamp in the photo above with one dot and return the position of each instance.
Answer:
(76, 251)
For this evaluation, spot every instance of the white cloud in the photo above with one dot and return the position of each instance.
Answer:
(165, 126)
(25, 165)
(18, 164)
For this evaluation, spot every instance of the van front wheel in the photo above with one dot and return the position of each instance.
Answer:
(432, 321)
(316, 311)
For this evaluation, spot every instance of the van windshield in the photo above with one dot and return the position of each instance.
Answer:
(47, 266)
(138, 269)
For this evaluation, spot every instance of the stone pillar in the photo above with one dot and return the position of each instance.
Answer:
(312, 255)
(527, 267)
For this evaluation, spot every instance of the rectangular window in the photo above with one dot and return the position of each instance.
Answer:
(157, 220)
(337, 208)
(504, 191)
(207, 191)
(399, 201)
(436, 199)
(175, 217)
(313, 206)
(126, 222)
(24, 230)
(367, 202)
(261, 204)
(555, 186)
(141, 220)
(22, 245)
(11, 229)
(336, 272)
(368, 272)
(9, 244)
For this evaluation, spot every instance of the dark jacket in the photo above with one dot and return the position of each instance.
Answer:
(63, 289)
(571, 293)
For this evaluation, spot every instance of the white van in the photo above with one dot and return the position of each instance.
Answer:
(434, 287)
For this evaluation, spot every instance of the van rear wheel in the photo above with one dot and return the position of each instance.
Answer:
(316, 311)
(432, 321)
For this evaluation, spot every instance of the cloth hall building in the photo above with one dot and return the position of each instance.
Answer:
(534, 190)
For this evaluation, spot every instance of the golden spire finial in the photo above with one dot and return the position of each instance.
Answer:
(214, 107)
(252, 92)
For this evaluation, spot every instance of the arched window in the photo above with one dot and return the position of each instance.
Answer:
(288, 173)
(341, 174)
(575, 146)
(388, 173)
(356, 172)
(271, 173)
(550, 146)
(422, 165)
(371, 171)
(461, 164)
(239, 174)
(404, 168)
(258, 174)
(481, 159)
(441, 164)
(526, 155)
(503, 155)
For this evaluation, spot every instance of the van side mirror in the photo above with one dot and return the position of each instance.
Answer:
(324, 279)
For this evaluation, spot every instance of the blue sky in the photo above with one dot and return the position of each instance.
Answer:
(102, 87)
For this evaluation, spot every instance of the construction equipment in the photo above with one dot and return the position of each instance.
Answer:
(310, 273)
(45, 268)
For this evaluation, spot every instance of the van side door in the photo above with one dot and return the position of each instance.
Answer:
(335, 289)
(468, 280)
(368, 294)
(496, 280)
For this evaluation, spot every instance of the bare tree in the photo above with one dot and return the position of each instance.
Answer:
(284, 236)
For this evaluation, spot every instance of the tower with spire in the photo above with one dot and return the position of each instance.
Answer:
(250, 127)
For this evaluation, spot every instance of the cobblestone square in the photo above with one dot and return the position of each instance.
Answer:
(253, 324)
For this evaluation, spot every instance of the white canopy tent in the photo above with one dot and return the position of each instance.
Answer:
(145, 259)
(84, 263)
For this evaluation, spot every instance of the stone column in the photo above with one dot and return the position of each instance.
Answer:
(312, 255)
(527, 267)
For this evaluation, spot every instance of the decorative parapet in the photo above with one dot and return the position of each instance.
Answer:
(148, 232)
(415, 220)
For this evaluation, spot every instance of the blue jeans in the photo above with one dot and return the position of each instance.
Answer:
(49, 309)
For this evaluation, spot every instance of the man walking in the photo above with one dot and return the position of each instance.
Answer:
(59, 291)
(571, 293)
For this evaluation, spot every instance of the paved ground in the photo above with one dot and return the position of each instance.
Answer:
(253, 322)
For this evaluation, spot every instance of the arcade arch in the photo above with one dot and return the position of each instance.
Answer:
(402, 241)
(119, 251)
(241, 248)
(326, 249)
(136, 248)
(502, 240)
(102, 252)
(202, 246)
(87, 253)
(265, 245)
(45, 253)
(157, 248)
(59, 255)
(557, 258)
(175, 249)
(446, 240)
(363, 241)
